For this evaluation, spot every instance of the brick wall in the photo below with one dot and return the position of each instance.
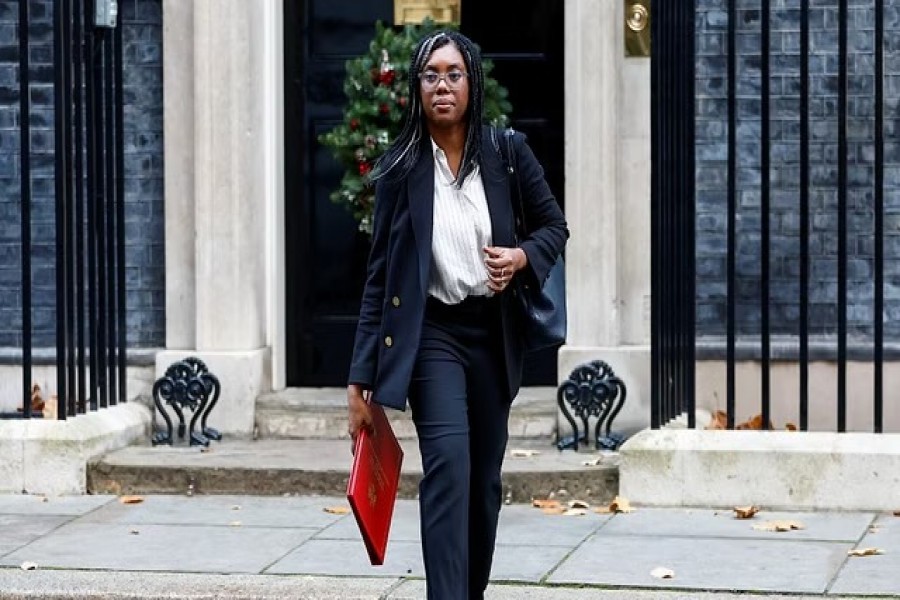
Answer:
(144, 260)
(711, 173)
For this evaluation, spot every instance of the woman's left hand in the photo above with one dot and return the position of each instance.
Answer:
(502, 264)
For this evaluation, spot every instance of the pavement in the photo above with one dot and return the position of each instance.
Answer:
(217, 546)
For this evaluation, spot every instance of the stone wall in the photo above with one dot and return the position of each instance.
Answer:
(711, 172)
(145, 258)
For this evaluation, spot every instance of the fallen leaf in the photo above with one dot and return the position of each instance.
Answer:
(779, 526)
(134, 532)
(235, 524)
(719, 420)
(579, 504)
(865, 552)
(523, 453)
(205, 449)
(594, 462)
(236, 507)
(545, 503)
(131, 499)
(897, 513)
(337, 510)
(790, 427)
(574, 512)
(28, 566)
(754, 423)
(620, 505)
(745, 512)
(553, 510)
(603, 510)
(663, 573)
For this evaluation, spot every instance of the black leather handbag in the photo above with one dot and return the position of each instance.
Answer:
(544, 307)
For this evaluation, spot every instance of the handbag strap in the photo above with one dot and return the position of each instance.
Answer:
(515, 185)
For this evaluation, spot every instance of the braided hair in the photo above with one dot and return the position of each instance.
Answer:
(402, 155)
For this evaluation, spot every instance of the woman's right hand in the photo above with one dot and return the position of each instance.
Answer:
(359, 416)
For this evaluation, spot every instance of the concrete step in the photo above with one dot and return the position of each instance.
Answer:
(321, 413)
(321, 467)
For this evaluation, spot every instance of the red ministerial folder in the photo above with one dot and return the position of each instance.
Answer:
(374, 477)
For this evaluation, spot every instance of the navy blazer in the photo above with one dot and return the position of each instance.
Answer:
(393, 302)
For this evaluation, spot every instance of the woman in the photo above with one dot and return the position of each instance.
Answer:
(439, 324)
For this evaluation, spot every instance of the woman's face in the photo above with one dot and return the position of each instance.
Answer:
(444, 84)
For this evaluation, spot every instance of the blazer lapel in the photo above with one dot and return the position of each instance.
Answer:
(496, 188)
(420, 187)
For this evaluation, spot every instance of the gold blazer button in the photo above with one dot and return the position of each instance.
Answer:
(388, 341)
(395, 301)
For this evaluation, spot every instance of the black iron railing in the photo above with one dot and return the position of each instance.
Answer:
(89, 210)
(672, 211)
(673, 326)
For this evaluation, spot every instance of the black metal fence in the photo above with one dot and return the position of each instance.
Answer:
(89, 210)
(674, 198)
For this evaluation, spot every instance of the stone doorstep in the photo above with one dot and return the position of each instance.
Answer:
(321, 413)
(775, 469)
(321, 467)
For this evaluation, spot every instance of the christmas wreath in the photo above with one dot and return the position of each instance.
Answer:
(376, 87)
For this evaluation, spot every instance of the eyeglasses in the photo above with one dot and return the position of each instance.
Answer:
(431, 79)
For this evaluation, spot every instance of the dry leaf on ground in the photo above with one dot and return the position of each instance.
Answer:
(897, 513)
(134, 532)
(131, 499)
(745, 512)
(663, 573)
(523, 453)
(790, 427)
(865, 552)
(620, 505)
(28, 566)
(718, 421)
(537, 503)
(554, 510)
(754, 423)
(236, 507)
(337, 510)
(779, 526)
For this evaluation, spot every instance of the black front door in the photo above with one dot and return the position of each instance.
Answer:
(326, 254)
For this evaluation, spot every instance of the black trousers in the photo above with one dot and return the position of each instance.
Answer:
(460, 406)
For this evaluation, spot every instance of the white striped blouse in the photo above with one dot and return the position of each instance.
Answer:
(462, 228)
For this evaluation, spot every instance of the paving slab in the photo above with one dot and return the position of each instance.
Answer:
(679, 522)
(26, 504)
(878, 574)
(18, 530)
(80, 585)
(526, 563)
(250, 511)
(404, 527)
(415, 590)
(349, 558)
(527, 526)
(705, 563)
(160, 548)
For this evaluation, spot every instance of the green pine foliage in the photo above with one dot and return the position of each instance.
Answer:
(376, 87)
